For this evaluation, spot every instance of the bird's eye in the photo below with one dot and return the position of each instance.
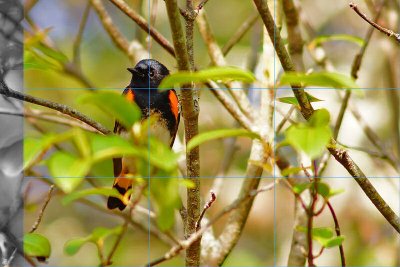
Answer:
(151, 73)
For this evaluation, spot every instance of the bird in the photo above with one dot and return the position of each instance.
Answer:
(161, 105)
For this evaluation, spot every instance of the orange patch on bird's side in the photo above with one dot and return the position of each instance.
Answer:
(173, 99)
(130, 96)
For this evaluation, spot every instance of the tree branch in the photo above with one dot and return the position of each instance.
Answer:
(307, 110)
(389, 33)
(46, 202)
(241, 31)
(142, 23)
(299, 239)
(184, 244)
(6, 91)
(76, 52)
(190, 114)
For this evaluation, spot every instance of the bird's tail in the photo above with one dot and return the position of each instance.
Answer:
(122, 185)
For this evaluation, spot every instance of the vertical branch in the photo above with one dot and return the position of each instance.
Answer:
(294, 34)
(258, 157)
(299, 239)
(190, 114)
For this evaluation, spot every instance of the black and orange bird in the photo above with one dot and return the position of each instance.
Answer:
(161, 105)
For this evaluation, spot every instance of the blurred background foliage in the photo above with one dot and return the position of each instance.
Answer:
(370, 241)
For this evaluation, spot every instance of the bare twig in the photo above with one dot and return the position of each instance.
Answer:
(184, 244)
(40, 216)
(232, 108)
(205, 208)
(201, 5)
(241, 31)
(55, 117)
(310, 213)
(337, 230)
(217, 58)
(76, 52)
(389, 33)
(142, 23)
(6, 91)
(285, 119)
(117, 242)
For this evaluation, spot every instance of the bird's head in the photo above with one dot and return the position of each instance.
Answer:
(147, 73)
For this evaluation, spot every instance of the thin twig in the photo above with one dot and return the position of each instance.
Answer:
(144, 25)
(55, 117)
(116, 36)
(205, 208)
(218, 59)
(46, 202)
(201, 5)
(337, 230)
(285, 119)
(388, 32)
(241, 31)
(310, 212)
(184, 244)
(76, 52)
(6, 91)
(117, 242)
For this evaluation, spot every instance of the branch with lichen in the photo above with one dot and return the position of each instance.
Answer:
(190, 114)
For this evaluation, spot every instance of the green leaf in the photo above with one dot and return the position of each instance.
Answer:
(88, 192)
(222, 133)
(318, 232)
(32, 149)
(293, 100)
(68, 170)
(161, 155)
(336, 37)
(311, 141)
(82, 142)
(334, 192)
(323, 189)
(36, 245)
(334, 242)
(214, 73)
(165, 192)
(106, 147)
(125, 112)
(322, 232)
(311, 137)
(323, 79)
(52, 53)
(99, 234)
(324, 236)
(72, 246)
(299, 188)
(64, 164)
(67, 185)
(291, 170)
(320, 117)
(33, 61)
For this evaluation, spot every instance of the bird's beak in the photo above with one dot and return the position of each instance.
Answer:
(134, 72)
